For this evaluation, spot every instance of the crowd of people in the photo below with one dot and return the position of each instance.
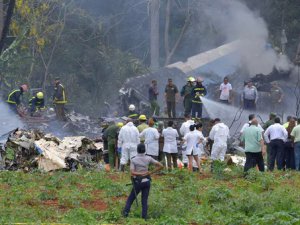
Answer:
(186, 144)
(164, 142)
(193, 91)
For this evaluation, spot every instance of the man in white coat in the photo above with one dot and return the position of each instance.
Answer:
(184, 129)
(128, 140)
(151, 136)
(219, 134)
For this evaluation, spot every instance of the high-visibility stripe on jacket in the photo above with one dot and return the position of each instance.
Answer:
(197, 93)
(13, 98)
(36, 104)
(63, 99)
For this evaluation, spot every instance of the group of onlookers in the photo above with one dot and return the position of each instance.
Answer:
(122, 141)
(280, 142)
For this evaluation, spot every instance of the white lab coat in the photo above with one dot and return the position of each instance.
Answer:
(170, 143)
(219, 134)
(184, 129)
(151, 137)
(192, 138)
(128, 140)
(200, 148)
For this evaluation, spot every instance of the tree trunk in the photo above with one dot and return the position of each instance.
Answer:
(9, 14)
(154, 34)
(1, 17)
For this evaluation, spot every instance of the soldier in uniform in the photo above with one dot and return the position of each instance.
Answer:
(276, 95)
(141, 179)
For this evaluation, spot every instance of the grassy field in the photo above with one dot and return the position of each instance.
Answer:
(179, 197)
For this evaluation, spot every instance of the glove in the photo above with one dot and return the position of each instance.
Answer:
(119, 150)
(197, 145)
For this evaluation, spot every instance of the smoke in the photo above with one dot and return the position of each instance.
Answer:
(8, 120)
(235, 21)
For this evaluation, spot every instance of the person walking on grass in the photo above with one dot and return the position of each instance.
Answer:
(193, 139)
(141, 179)
(254, 146)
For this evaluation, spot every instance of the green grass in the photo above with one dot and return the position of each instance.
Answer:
(179, 197)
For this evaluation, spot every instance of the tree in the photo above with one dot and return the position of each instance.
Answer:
(154, 34)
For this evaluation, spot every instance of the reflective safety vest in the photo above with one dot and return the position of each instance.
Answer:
(12, 97)
(133, 115)
(39, 103)
(197, 93)
(63, 99)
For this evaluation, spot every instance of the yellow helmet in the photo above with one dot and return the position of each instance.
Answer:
(191, 79)
(120, 124)
(142, 117)
(40, 95)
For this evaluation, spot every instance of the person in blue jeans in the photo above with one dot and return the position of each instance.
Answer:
(141, 179)
(296, 137)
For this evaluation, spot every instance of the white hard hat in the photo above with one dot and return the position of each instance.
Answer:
(131, 107)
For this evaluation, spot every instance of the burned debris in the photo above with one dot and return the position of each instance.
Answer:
(28, 150)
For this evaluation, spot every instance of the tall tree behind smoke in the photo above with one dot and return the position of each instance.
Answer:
(235, 20)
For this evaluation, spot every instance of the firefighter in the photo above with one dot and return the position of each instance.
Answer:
(198, 91)
(59, 100)
(37, 103)
(14, 97)
(186, 94)
(132, 114)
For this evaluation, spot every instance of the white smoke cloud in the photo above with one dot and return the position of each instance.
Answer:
(8, 119)
(235, 20)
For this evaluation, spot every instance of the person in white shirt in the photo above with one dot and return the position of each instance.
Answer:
(151, 136)
(128, 140)
(219, 134)
(193, 139)
(184, 129)
(170, 144)
(201, 151)
(225, 91)
(276, 135)
(251, 117)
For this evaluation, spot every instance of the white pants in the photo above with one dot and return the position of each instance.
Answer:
(218, 151)
(127, 153)
(184, 157)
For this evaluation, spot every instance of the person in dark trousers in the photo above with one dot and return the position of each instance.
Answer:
(153, 93)
(198, 91)
(141, 179)
(59, 100)
(266, 125)
(171, 97)
(187, 96)
(275, 136)
(37, 103)
(289, 152)
(14, 97)
(249, 96)
(112, 134)
(254, 146)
